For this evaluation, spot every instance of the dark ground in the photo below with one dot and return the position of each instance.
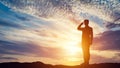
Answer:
(42, 65)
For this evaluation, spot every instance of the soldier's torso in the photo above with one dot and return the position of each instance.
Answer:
(86, 32)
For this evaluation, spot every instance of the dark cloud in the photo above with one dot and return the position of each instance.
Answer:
(8, 58)
(85, 1)
(9, 24)
(55, 2)
(116, 18)
(110, 25)
(101, 59)
(21, 48)
(116, 15)
(7, 47)
(15, 2)
(22, 18)
(109, 40)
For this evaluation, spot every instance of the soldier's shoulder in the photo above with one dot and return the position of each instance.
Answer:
(90, 27)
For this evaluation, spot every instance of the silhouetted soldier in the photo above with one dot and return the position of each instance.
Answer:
(87, 37)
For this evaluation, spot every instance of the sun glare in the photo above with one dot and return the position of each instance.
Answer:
(72, 49)
(73, 53)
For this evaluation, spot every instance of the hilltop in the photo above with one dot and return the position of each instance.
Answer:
(42, 65)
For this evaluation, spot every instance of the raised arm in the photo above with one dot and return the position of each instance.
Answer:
(79, 27)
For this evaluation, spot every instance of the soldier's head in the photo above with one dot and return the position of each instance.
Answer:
(86, 22)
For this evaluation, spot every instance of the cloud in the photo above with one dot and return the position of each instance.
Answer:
(7, 47)
(100, 59)
(28, 49)
(9, 24)
(116, 15)
(117, 56)
(38, 7)
(85, 1)
(110, 25)
(93, 18)
(116, 19)
(23, 18)
(108, 40)
(27, 41)
(8, 58)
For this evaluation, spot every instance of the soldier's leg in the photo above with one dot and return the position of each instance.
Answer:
(86, 54)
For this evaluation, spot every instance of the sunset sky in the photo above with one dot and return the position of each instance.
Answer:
(46, 30)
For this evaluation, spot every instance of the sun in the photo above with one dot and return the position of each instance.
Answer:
(72, 50)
